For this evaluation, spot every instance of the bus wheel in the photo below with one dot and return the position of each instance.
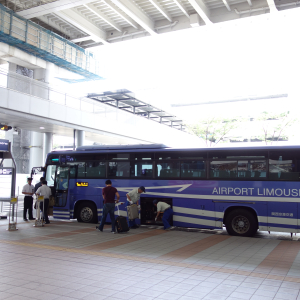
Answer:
(241, 222)
(87, 213)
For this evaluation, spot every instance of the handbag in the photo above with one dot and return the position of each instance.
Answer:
(133, 211)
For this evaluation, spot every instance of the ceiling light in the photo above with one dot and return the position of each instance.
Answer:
(42, 127)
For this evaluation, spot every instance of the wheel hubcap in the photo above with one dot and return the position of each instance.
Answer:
(86, 214)
(240, 224)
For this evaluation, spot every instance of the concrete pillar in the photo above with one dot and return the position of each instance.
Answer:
(36, 150)
(48, 143)
(43, 78)
(12, 67)
(80, 137)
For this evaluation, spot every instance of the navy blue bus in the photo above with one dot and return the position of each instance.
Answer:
(245, 189)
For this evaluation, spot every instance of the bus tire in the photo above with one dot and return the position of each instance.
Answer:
(241, 222)
(87, 213)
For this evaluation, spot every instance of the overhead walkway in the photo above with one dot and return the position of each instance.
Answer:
(28, 104)
(35, 40)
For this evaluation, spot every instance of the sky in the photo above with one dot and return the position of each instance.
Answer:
(235, 59)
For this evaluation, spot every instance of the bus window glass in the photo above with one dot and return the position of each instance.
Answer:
(238, 154)
(193, 169)
(143, 156)
(118, 169)
(252, 169)
(95, 169)
(62, 178)
(223, 169)
(167, 155)
(118, 156)
(50, 175)
(168, 169)
(77, 170)
(281, 169)
(141, 169)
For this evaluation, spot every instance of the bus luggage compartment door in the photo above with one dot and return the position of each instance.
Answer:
(148, 210)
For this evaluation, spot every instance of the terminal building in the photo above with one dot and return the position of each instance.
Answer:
(121, 80)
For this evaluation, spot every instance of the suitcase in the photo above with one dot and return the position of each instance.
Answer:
(132, 212)
(121, 223)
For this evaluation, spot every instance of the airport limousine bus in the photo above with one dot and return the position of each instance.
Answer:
(245, 189)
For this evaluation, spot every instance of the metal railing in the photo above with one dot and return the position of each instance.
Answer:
(38, 41)
(42, 90)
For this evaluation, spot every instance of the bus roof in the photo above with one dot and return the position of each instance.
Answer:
(161, 148)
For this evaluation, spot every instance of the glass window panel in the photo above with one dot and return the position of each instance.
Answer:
(193, 169)
(143, 156)
(167, 155)
(223, 169)
(238, 154)
(168, 169)
(141, 169)
(95, 169)
(118, 169)
(77, 170)
(50, 175)
(118, 156)
(252, 169)
(62, 178)
(281, 169)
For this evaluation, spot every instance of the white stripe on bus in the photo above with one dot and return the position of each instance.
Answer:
(61, 212)
(198, 212)
(227, 198)
(198, 221)
(282, 221)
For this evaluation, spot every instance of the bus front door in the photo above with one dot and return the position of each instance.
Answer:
(61, 208)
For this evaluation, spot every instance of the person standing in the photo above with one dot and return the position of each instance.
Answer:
(108, 194)
(167, 210)
(28, 191)
(45, 191)
(133, 197)
(38, 184)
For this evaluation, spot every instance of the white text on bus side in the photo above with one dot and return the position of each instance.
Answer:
(259, 192)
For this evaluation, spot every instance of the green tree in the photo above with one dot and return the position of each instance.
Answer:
(275, 126)
(213, 130)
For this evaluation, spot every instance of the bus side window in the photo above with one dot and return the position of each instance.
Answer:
(95, 169)
(118, 169)
(77, 170)
(50, 174)
(195, 169)
(252, 168)
(141, 169)
(282, 168)
(168, 169)
(223, 169)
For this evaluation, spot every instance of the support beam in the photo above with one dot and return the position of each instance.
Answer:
(227, 5)
(272, 6)
(182, 8)
(161, 10)
(82, 39)
(83, 24)
(121, 14)
(136, 14)
(102, 16)
(202, 10)
(48, 21)
(52, 7)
